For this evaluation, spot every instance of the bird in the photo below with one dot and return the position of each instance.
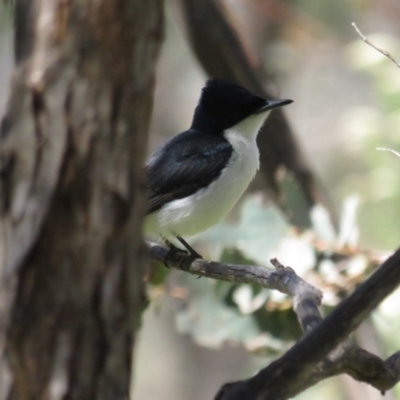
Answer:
(196, 178)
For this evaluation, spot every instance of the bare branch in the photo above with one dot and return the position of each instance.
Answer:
(384, 52)
(306, 298)
(298, 366)
(347, 358)
(301, 366)
(305, 301)
(357, 363)
(367, 367)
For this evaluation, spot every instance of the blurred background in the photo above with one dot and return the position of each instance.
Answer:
(199, 334)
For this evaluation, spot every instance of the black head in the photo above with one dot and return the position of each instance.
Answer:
(223, 104)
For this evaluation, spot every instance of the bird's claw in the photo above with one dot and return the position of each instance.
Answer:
(190, 254)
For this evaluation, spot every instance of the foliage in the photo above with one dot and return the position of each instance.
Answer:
(368, 128)
(262, 320)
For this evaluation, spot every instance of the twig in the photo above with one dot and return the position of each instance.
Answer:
(284, 279)
(384, 52)
(389, 150)
(357, 363)
(306, 298)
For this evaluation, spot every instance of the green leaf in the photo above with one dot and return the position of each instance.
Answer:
(295, 202)
(258, 234)
(209, 321)
(212, 317)
(322, 224)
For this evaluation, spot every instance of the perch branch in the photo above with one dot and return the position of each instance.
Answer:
(302, 365)
(384, 52)
(306, 298)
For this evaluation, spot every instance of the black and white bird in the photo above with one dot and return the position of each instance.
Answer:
(196, 178)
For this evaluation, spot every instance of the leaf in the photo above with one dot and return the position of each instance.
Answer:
(348, 232)
(157, 273)
(209, 321)
(212, 316)
(296, 205)
(281, 323)
(246, 301)
(260, 231)
(261, 234)
(322, 223)
(216, 312)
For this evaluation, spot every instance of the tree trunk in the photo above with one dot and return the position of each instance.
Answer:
(72, 145)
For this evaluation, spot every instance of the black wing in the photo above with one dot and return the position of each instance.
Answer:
(185, 164)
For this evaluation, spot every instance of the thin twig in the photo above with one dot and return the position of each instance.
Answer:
(306, 298)
(389, 150)
(384, 52)
(284, 279)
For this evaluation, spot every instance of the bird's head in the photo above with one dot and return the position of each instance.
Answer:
(224, 104)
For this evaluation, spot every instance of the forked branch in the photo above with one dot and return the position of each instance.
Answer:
(325, 351)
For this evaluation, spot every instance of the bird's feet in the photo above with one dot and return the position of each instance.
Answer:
(173, 252)
(190, 254)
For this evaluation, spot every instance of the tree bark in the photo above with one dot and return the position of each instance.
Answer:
(73, 141)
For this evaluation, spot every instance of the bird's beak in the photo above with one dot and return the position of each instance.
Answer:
(270, 104)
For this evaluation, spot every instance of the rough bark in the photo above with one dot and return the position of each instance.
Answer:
(73, 141)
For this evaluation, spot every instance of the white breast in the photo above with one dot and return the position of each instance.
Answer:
(208, 206)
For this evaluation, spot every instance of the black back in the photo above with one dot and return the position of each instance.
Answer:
(222, 105)
(185, 164)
